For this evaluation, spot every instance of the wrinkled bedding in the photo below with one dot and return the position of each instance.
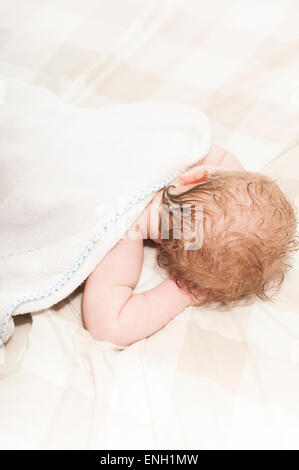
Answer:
(209, 379)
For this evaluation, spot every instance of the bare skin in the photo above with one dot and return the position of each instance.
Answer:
(111, 310)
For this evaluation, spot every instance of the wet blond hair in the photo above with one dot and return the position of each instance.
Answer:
(249, 235)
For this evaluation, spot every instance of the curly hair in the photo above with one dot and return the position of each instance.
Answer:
(249, 234)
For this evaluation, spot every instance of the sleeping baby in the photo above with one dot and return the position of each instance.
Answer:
(223, 234)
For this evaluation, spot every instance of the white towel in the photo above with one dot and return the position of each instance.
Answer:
(73, 180)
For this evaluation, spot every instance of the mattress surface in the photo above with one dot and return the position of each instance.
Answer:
(209, 379)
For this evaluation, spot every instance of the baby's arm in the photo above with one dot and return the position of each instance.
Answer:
(221, 157)
(112, 312)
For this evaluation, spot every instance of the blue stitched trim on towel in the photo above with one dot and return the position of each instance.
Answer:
(4, 317)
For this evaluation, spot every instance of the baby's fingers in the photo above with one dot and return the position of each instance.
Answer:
(196, 177)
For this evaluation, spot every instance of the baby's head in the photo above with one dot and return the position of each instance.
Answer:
(248, 231)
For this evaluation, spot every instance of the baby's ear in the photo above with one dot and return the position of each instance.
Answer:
(196, 177)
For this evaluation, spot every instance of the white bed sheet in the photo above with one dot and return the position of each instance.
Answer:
(212, 379)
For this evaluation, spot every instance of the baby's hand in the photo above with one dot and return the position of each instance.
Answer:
(222, 158)
(196, 177)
